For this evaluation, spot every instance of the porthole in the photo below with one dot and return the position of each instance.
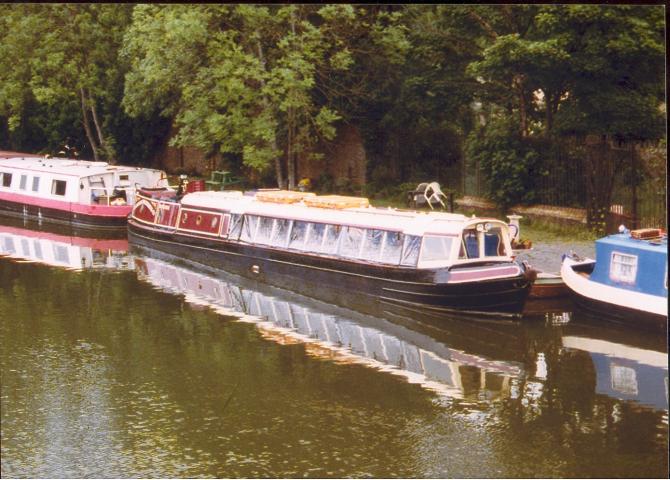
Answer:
(198, 220)
(215, 222)
(184, 217)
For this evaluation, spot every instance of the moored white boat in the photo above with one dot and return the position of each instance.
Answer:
(75, 192)
(628, 280)
(434, 261)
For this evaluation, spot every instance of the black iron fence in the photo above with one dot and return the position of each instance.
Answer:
(638, 195)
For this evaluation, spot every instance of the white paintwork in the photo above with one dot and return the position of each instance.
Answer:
(608, 294)
(407, 222)
(82, 177)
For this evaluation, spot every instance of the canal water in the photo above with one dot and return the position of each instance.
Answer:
(118, 361)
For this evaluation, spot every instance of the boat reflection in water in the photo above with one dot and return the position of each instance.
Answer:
(630, 366)
(533, 362)
(329, 331)
(481, 361)
(59, 246)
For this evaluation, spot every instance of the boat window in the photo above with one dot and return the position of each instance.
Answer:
(280, 233)
(58, 187)
(264, 232)
(623, 268)
(61, 253)
(392, 248)
(9, 245)
(469, 245)
(410, 252)
(352, 239)
(624, 379)
(330, 240)
(235, 226)
(436, 247)
(36, 184)
(6, 179)
(493, 243)
(38, 249)
(314, 239)
(297, 238)
(372, 245)
(249, 228)
(23, 181)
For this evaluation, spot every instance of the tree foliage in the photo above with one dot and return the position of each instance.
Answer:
(428, 85)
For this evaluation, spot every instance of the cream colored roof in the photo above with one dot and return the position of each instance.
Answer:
(409, 222)
(65, 166)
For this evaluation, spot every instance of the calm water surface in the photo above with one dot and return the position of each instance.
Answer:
(140, 365)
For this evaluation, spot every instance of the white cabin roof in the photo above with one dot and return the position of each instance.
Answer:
(65, 166)
(408, 222)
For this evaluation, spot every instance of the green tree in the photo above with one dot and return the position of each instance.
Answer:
(59, 56)
(572, 71)
(617, 57)
(235, 80)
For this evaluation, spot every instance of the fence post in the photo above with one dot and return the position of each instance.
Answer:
(633, 167)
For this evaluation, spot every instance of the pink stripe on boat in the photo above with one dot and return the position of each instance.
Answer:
(483, 274)
(65, 206)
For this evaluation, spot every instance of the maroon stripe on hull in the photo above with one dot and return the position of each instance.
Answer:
(199, 221)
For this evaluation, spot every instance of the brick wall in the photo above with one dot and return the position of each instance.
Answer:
(344, 158)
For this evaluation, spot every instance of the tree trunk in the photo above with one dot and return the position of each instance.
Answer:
(101, 139)
(87, 126)
(290, 149)
(523, 111)
(291, 154)
(266, 104)
(549, 105)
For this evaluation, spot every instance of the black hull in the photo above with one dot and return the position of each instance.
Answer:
(62, 217)
(619, 315)
(343, 281)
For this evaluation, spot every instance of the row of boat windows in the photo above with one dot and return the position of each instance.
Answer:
(344, 241)
(60, 252)
(368, 244)
(58, 187)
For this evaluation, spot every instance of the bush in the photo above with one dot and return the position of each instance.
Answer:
(509, 162)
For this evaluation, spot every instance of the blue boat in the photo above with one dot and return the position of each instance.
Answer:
(628, 280)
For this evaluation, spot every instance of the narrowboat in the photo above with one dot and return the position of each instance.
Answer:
(628, 280)
(75, 192)
(432, 261)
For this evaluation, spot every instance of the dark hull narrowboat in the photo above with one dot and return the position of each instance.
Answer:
(78, 193)
(626, 284)
(437, 262)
